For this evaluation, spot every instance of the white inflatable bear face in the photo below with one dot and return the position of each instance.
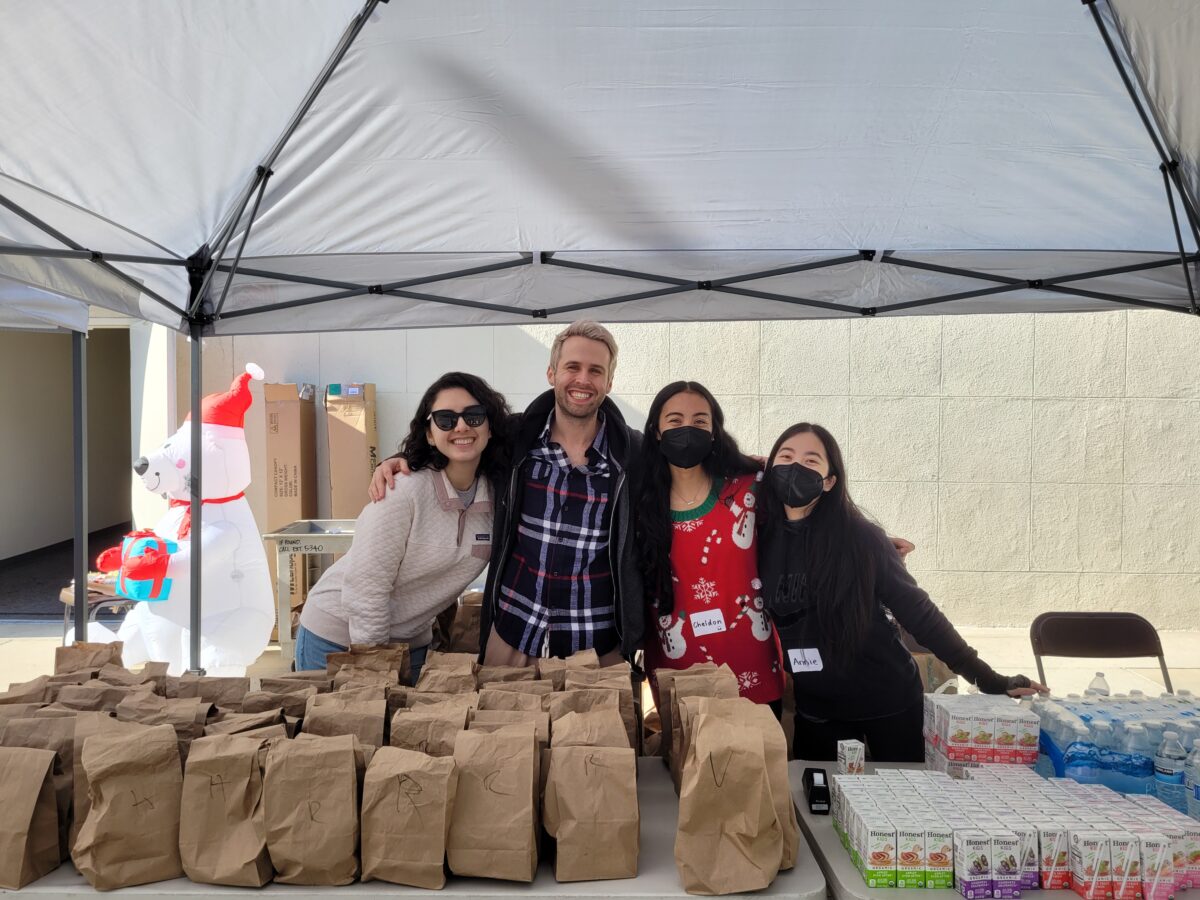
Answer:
(226, 469)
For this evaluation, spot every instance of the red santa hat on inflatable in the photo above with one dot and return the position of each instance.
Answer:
(229, 408)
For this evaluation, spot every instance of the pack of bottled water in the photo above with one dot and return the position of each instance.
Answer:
(1133, 743)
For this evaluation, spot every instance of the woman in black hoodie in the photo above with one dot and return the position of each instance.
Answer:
(830, 577)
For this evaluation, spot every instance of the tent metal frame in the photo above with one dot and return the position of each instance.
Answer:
(199, 314)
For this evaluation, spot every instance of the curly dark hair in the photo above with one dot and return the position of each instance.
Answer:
(653, 491)
(421, 454)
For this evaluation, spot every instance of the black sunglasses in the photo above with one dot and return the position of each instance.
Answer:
(446, 419)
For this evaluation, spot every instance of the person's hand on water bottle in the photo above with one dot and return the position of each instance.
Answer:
(384, 476)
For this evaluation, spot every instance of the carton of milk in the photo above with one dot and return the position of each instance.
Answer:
(1006, 864)
(1090, 864)
(851, 758)
(972, 864)
(1158, 867)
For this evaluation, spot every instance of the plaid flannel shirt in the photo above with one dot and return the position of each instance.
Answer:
(556, 593)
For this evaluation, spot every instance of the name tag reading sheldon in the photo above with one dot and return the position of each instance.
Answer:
(808, 660)
(708, 621)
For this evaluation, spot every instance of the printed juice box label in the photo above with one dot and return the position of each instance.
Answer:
(957, 735)
(1006, 865)
(983, 737)
(1178, 838)
(939, 856)
(1191, 854)
(1125, 865)
(1027, 858)
(1029, 727)
(910, 855)
(1054, 857)
(879, 854)
(972, 864)
(1158, 869)
(851, 758)
(1090, 865)
(1006, 734)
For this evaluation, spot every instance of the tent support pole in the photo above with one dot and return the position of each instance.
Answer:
(264, 177)
(56, 253)
(97, 258)
(79, 417)
(1189, 206)
(1187, 276)
(198, 264)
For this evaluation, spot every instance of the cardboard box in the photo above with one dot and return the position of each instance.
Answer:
(291, 470)
(353, 441)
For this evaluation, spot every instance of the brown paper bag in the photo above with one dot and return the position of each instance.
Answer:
(240, 723)
(357, 675)
(110, 673)
(422, 732)
(407, 805)
(266, 732)
(82, 655)
(226, 693)
(417, 700)
(223, 835)
(29, 831)
(393, 658)
(750, 715)
(453, 662)
(291, 702)
(493, 829)
(444, 681)
(490, 674)
(88, 724)
(663, 683)
(53, 711)
(537, 688)
(618, 678)
(583, 659)
(365, 719)
(80, 676)
(58, 736)
(297, 681)
(560, 703)
(187, 715)
(464, 630)
(353, 692)
(552, 669)
(39, 690)
(596, 728)
(493, 719)
(591, 810)
(491, 699)
(310, 806)
(98, 695)
(728, 839)
(131, 834)
(721, 683)
(20, 711)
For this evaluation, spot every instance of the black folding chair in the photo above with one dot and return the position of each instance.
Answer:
(1095, 635)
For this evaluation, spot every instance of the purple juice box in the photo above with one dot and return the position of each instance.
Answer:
(972, 864)
(1006, 864)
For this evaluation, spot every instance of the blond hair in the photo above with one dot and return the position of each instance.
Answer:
(593, 331)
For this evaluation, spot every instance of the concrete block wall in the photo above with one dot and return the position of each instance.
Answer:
(1037, 461)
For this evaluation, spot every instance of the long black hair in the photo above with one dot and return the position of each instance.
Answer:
(653, 527)
(841, 567)
(421, 454)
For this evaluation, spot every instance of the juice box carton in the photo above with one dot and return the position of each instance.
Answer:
(1006, 864)
(878, 851)
(1054, 860)
(1006, 735)
(956, 730)
(983, 737)
(1125, 865)
(851, 758)
(910, 854)
(972, 864)
(1191, 855)
(1027, 859)
(1090, 864)
(1178, 838)
(939, 855)
(1158, 868)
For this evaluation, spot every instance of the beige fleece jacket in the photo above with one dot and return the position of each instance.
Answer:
(413, 554)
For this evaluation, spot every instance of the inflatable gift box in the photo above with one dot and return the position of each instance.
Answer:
(152, 583)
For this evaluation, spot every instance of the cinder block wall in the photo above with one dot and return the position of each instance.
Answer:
(1037, 461)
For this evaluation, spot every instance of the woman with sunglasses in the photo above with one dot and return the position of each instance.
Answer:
(830, 578)
(417, 549)
(696, 537)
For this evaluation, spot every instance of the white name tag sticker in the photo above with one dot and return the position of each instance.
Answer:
(808, 660)
(709, 621)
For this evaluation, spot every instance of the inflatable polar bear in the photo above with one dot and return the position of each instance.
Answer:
(237, 608)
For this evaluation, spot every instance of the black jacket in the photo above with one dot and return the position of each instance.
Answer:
(624, 444)
(882, 679)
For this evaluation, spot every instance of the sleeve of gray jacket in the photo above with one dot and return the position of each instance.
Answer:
(380, 538)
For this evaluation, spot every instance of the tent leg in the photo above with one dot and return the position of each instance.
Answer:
(197, 508)
(79, 417)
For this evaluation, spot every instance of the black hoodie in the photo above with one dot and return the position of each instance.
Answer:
(882, 678)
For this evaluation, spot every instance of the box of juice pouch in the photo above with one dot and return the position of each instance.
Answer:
(1178, 838)
(1090, 864)
(1158, 868)
(972, 864)
(910, 854)
(939, 855)
(1006, 864)
(1125, 865)
(878, 852)
(1053, 855)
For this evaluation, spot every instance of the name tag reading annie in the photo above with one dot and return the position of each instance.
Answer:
(807, 660)
(709, 621)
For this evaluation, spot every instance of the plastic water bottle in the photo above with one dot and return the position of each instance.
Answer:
(1191, 780)
(1169, 764)
(1099, 685)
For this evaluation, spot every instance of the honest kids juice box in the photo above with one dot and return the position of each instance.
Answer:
(1090, 864)
(1028, 856)
(957, 728)
(939, 855)
(851, 758)
(983, 736)
(1007, 735)
(1125, 865)
(1158, 869)
(1006, 865)
(972, 864)
(910, 854)
(1029, 728)
(878, 852)
(1053, 855)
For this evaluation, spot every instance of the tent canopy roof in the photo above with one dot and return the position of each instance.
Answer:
(867, 155)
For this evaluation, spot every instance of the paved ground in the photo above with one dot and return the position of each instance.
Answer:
(30, 583)
(27, 650)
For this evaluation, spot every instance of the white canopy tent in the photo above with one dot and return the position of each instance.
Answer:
(279, 165)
